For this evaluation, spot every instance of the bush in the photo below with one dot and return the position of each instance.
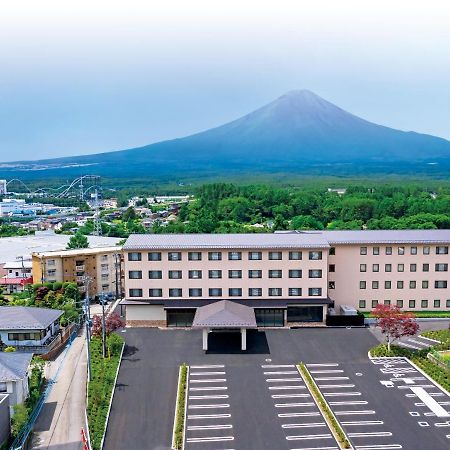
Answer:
(19, 419)
(9, 349)
(181, 407)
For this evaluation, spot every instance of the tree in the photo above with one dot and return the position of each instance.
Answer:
(129, 214)
(78, 240)
(113, 322)
(394, 323)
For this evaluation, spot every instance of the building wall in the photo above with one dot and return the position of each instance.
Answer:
(348, 275)
(49, 332)
(4, 418)
(17, 391)
(225, 282)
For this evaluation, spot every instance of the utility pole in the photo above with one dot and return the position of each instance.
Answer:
(102, 300)
(87, 280)
(116, 265)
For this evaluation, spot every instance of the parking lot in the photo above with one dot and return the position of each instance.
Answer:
(257, 400)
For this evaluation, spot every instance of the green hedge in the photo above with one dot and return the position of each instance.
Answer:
(181, 407)
(339, 432)
(101, 386)
(420, 314)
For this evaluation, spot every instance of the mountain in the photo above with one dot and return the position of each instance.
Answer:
(299, 131)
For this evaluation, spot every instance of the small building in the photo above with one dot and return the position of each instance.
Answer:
(17, 275)
(28, 328)
(5, 419)
(14, 377)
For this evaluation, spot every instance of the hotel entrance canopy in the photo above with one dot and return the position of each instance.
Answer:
(224, 314)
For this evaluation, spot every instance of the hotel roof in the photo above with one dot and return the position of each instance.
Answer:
(231, 241)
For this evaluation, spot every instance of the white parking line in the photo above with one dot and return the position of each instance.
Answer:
(356, 402)
(286, 372)
(373, 434)
(208, 416)
(379, 447)
(327, 371)
(415, 341)
(304, 425)
(289, 395)
(209, 427)
(209, 388)
(282, 380)
(316, 448)
(330, 378)
(279, 388)
(328, 386)
(200, 374)
(323, 365)
(207, 397)
(206, 366)
(211, 439)
(341, 394)
(430, 402)
(220, 405)
(362, 422)
(354, 413)
(404, 344)
(309, 436)
(301, 414)
(293, 405)
(210, 380)
(269, 366)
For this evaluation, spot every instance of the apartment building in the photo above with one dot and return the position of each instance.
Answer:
(99, 265)
(286, 277)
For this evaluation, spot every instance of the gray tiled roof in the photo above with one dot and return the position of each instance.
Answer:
(224, 313)
(13, 366)
(27, 317)
(248, 240)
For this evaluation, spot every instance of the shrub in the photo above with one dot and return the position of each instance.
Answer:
(181, 407)
(9, 349)
(19, 418)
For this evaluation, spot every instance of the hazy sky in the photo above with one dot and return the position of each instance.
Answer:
(87, 76)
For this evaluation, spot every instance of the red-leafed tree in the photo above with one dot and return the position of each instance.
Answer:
(113, 322)
(394, 323)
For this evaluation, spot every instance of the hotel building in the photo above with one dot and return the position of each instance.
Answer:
(286, 277)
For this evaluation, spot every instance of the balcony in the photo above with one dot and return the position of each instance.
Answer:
(79, 268)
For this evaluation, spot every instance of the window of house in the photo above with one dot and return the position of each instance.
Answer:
(387, 284)
(362, 304)
(255, 273)
(214, 273)
(374, 303)
(332, 251)
(135, 292)
(413, 250)
(441, 250)
(387, 302)
(315, 273)
(275, 255)
(51, 262)
(401, 250)
(436, 303)
(295, 292)
(155, 292)
(363, 250)
(295, 256)
(425, 267)
(376, 250)
(440, 284)
(331, 285)
(175, 274)
(215, 292)
(400, 284)
(234, 256)
(375, 284)
(174, 256)
(275, 274)
(413, 267)
(175, 292)
(214, 256)
(295, 273)
(447, 303)
(424, 284)
(155, 274)
(235, 292)
(412, 304)
(412, 284)
(424, 303)
(195, 274)
(154, 256)
(315, 292)
(363, 267)
(195, 292)
(135, 274)
(441, 267)
(388, 267)
(235, 274)
(133, 256)
(255, 292)
(362, 285)
(254, 256)
(400, 303)
(275, 292)
(426, 250)
(375, 267)
(332, 268)
(104, 276)
(315, 255)
(400, 267)
(194, 256)
(388, 251)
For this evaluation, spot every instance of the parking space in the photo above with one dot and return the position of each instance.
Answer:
(416, 342)
(208, 417)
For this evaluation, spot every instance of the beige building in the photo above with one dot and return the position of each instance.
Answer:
(99, 265)
(286, 277)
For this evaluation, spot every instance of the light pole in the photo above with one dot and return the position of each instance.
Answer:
(102, 300)
(87, 280)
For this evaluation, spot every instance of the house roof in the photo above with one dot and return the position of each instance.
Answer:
(17, 265)
(224, 313)
(14, 365)
(13, 280)
(27, 317)
(231, 241)
(80, 251)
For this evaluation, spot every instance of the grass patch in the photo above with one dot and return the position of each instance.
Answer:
(180, 408)
(323, 405)
(101, 386)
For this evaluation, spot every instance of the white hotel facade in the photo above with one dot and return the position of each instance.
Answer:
(286, 277)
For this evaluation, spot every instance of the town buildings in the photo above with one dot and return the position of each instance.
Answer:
(16, 275)
(286, 277)
(98, 269)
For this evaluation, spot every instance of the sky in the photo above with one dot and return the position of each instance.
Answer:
(88, 76)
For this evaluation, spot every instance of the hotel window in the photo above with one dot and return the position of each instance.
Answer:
(412, 304)
(425, 284)
(388, 251)
(275, 274)
(295, 256)
(315, 292)
(375, 284)
(254, 256)
(400, 303)
(387, 302)
(105, 276)
(363, 267)
(196, 274)
(447, 303)
(135, 274)
(315, 256)
(376, 250)
(388, 267)
(413, 267)
(400, 284)
(104, 258)
(387, 284)
(214, 274)
(425, 267)
(426, 250)
(254, 292)
(235, 292)
(412, 284)
(155, 292)
(374, 303)
(234, 256)
(441, 267)
(331, 268)
(375, 267)
(413, 250)
(52, 262)
(424, 303)
(134, 256)
(295, 273)
(295, 292)
(235, 274)
(175, 292)
(362, 284)
(441, 250)
(332, 251)
(275, 256)
(175, 274)
(315, 273)
(440, 284)
(255, 273)
(195, 256)
(155, 274)
(195, 292)
(154, 256)
(437, 303)
(401, 250)
(331, 285)
(135, 292)
(215, 256)
(363, 250)
(275, 292)
(174, 256)
(215, 292)
(362, 304)
(400, 267)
